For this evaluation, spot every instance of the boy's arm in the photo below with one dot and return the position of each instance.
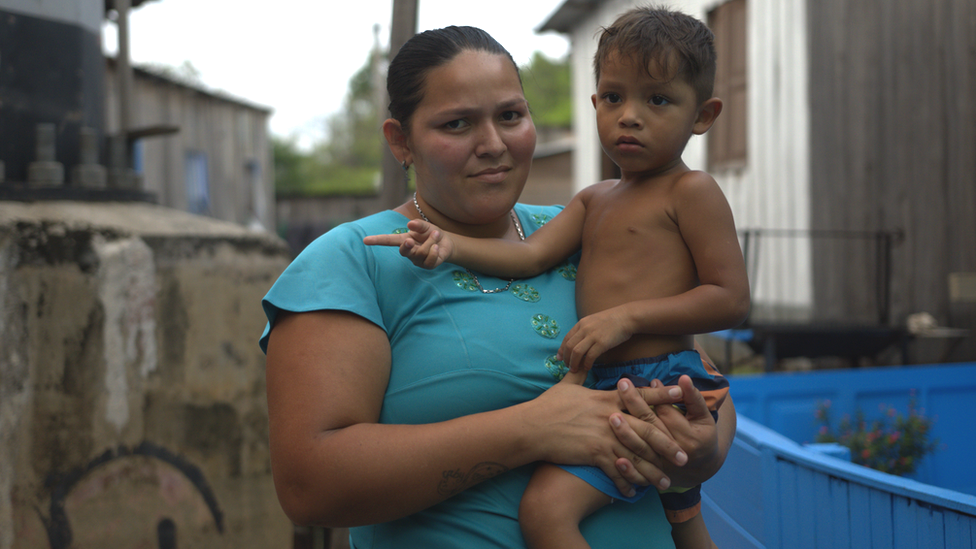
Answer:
(719, 302)
(428, 246)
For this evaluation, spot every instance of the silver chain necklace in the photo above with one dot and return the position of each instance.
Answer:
(518, 229)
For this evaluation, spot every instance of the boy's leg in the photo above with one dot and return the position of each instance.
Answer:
(691, 534)
(552, 507)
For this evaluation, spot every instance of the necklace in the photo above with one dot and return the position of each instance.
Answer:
(518, 229)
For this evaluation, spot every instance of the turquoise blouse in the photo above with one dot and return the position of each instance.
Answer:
(456, 351)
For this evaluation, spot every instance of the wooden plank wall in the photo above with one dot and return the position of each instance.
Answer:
(231, 133)
(893, 145)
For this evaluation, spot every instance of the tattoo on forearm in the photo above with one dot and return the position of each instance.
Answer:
(455, 481)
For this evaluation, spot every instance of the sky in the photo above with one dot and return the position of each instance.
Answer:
(296, 56)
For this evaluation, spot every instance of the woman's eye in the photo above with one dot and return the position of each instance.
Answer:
(456, 124)
(511, 116)
(659, 100)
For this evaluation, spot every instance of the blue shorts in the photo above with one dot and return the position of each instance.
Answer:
(666, 368)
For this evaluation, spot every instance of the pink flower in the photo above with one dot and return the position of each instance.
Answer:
(823, 430)
(866, 454)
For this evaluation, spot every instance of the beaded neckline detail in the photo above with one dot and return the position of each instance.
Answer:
(474, 277)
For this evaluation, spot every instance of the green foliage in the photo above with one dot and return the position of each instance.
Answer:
(349, 160)
(291, 165)
(894, 444)
(548, 89)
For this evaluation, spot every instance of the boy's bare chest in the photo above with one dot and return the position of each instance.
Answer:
(638, 221)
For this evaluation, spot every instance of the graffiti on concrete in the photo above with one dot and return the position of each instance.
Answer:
(131, 496)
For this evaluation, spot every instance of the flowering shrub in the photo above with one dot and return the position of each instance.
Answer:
(894, 444)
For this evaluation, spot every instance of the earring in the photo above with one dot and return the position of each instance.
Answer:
(404, 165)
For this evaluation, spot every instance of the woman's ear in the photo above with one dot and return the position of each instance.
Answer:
(397, 140)
(707, 114)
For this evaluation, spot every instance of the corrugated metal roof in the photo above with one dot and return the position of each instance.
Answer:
(110, 4)
(568, 15)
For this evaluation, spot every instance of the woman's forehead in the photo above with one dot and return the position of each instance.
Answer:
(471, 79)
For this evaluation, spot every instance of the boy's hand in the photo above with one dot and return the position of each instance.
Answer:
(425, 245)
(592, 336)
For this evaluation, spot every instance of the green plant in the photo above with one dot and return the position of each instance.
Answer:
(894, 444)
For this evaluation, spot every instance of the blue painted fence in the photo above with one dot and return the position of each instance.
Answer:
(773, 492)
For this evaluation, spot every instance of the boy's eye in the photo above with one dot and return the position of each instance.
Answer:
(659, 100)
(612, 98)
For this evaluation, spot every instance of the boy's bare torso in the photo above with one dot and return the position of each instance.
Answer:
(632, 249)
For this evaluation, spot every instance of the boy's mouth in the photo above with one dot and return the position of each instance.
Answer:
(628, 142)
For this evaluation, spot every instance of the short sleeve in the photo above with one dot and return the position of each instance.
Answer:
(335, 272)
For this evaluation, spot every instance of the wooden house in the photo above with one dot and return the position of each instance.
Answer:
(847, 150)
(194, 149)
(206, 152)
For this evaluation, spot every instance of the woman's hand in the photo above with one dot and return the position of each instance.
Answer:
(576, 421)
(652, 425)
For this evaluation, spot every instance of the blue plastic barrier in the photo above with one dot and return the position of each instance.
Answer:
(773, 492)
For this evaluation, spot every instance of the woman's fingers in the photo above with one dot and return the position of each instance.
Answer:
(643, 475)
(643, 432)
(575, 378)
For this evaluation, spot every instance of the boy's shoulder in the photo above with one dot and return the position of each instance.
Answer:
(695, 181)
(599, 187)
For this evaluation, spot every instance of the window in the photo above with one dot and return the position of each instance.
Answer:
(197, 183)
(138, 156)
(727, 137)
(258, 206)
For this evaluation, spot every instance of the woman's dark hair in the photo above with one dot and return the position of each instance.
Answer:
(425, 51)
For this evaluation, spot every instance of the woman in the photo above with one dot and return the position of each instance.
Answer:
(416, 402)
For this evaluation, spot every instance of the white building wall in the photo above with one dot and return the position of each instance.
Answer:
(771, 190)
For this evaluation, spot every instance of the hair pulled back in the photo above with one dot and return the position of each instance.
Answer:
(425, 51)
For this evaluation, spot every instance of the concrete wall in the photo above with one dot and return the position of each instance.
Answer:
(132, 389)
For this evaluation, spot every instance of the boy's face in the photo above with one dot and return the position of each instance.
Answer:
(644, 120)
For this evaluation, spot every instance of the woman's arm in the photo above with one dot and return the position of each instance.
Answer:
(334, 465)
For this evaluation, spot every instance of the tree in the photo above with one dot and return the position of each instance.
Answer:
(348, 160)
(548, 89)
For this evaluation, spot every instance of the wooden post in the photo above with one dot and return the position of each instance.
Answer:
(123, 66)
(404, 26)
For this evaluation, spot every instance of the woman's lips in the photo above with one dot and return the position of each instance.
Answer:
(493, 175)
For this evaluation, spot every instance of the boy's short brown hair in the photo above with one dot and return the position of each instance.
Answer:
(678, 42)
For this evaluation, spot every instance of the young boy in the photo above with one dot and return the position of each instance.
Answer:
(660, 257)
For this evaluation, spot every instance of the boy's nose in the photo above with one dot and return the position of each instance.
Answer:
(629, 118)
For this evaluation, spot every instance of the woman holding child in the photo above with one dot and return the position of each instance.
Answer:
(414, 404)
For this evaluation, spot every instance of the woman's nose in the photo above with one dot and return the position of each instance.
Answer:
(490, 142)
